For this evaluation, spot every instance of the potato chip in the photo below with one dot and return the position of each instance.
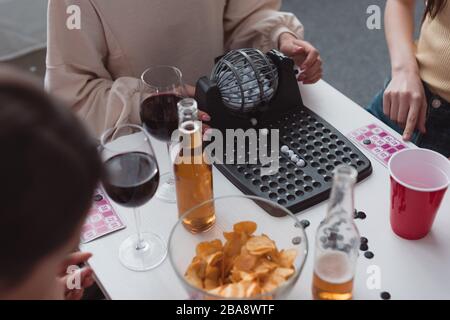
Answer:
(214, 258)
(205, 249)
(196, 272)
(235, 276)
(284, 272)
(216, 291)
(228, 236)
(252, 289)
(245, 261)
(212, 276)
(194, 280)
(264, 267)
(260, 245)
(233, 290)
(245, 276)
(245, 266)
(235, 242)
(198, 266)
(247, 227)
(228, 263)
(212, 273)
(274, 281)
(287, 258)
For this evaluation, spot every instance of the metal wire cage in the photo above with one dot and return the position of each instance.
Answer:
(246, 78)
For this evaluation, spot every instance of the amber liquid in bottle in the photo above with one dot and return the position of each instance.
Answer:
(194, 180)
(337, 242)
(332, 278)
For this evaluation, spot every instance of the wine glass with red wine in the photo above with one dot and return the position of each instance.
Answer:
(161, 89)
(131, 179)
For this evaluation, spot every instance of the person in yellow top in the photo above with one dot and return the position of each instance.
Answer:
(96, 68)
(415, 102)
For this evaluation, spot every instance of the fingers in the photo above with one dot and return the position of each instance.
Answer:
(76, 258)
(313, 80)
(190, 90)
(204, 116)
(292, 49)
(205, 129)
(386, 104)
(407, 109)
(413, 117)
(313, 73)
(393, 114)
(312, 54)
(423, 117)
(290, 46)
(74, 294)
(416, 117)
(85, 275)
(403, 110)
(86, 278)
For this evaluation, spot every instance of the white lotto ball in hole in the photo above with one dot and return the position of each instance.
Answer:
(285, 149)
(301, 163)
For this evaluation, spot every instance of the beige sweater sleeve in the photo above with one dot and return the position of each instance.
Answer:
(76, 70)
(258, 24)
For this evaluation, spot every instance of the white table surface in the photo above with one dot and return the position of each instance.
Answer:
(409, 269)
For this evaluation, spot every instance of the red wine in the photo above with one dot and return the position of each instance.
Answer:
(159, 115)
(132, 178)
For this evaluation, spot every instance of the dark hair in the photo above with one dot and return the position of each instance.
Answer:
(434, 7)
(49, 168)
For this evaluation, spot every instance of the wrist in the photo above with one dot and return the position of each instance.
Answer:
(285, 37)
(408, 68)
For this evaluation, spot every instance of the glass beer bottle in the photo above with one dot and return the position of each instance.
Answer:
(193, 174)
(337, 241)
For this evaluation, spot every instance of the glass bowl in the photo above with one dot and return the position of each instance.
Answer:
(280, 225)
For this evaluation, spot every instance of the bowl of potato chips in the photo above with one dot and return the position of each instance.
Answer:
(255, 250)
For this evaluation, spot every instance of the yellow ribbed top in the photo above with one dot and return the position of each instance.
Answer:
(433, 53)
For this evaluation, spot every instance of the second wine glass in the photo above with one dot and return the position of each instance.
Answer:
(161, 89)
(131, 179)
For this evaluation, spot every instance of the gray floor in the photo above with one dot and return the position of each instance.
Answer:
(356, 58)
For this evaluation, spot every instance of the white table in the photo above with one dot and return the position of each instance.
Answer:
(409, 269)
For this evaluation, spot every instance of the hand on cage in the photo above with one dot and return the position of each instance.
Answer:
(305, 55)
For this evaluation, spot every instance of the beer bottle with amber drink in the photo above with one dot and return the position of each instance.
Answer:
(193, 171)
(337, 241)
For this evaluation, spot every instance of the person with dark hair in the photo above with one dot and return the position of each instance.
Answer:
(49, 170)
(416, 100)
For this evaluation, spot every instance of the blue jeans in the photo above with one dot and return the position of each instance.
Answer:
(437, 137)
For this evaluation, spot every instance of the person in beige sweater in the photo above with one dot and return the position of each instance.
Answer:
(96, 68)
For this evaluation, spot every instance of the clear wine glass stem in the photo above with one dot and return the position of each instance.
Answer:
(171, 180)
(137, 217)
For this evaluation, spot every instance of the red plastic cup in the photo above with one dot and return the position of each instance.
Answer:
(419, 180)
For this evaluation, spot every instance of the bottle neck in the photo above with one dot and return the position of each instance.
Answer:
(187, 110)
(190, 127)
(342, 198)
